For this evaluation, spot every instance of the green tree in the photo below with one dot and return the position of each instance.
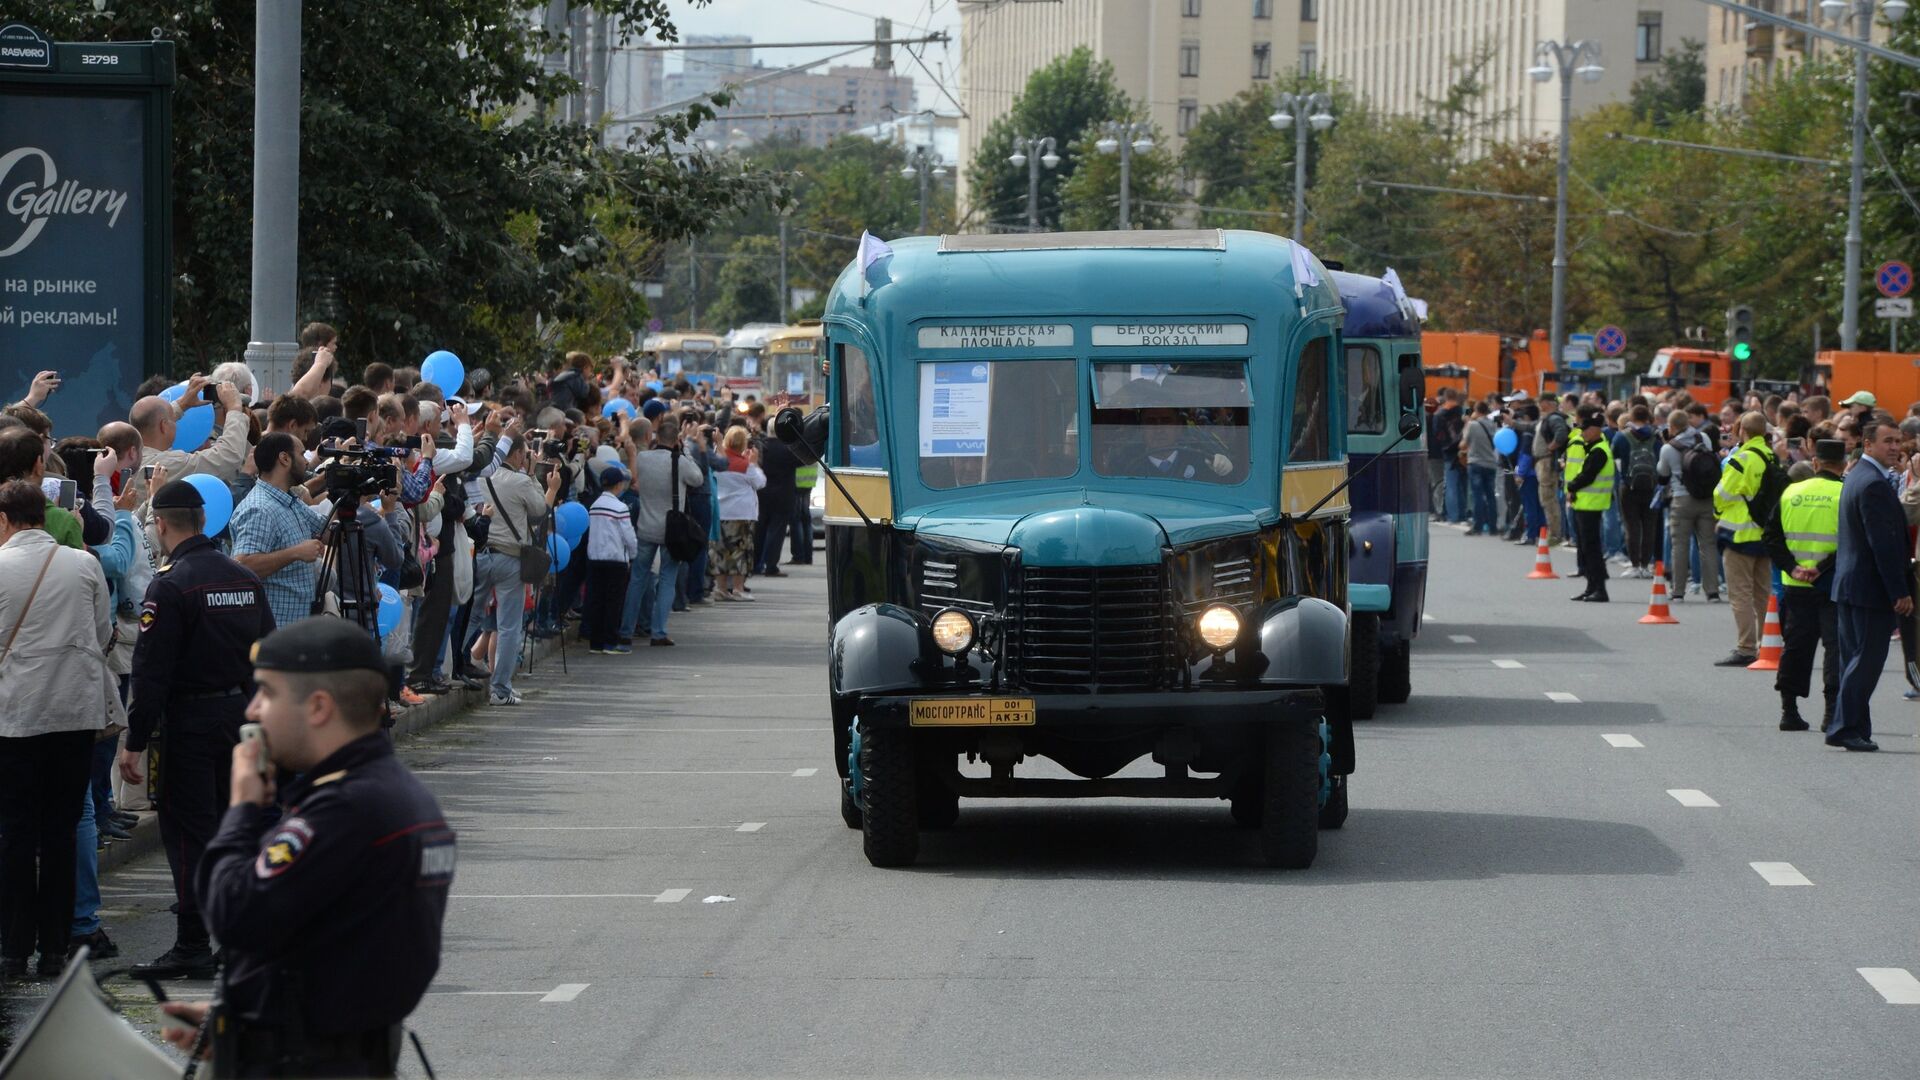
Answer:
(1090, 198)
(1371, 228)
(1063, 100)
(1244, 165)
(1678, 91)
(748, 283)
(1498, 267)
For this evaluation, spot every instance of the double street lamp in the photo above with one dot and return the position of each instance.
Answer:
(1551, 58)
(1034, 151)
(923, 164)
(1301, 112)
(1128, 137)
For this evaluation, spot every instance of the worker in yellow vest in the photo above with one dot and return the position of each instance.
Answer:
(1589, 476)
(1803, 540)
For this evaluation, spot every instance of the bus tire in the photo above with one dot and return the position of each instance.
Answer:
(1396, 673)
(889, 805)
(1363, 668)
(1334, 813)
(849, 809)
(1290, 802)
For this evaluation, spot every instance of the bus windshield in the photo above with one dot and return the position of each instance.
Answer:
(984, 421)
(1183, 421)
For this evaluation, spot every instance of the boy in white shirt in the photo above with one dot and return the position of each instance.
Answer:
(611, 547)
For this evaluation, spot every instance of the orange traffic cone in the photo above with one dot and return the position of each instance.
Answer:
(1657, 611)
(1771, 642)
(1542, 562)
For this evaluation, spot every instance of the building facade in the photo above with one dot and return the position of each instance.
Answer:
(815, 107)
(1744, 55)
(1400, 54)
(1175, 57)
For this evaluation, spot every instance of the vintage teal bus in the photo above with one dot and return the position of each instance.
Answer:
(1086, 504)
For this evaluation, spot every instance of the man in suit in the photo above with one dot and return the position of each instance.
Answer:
(1869, 583)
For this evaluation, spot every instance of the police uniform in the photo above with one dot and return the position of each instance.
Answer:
(191, 680)
(329, 916)
(1590, 489)
(1806, 532)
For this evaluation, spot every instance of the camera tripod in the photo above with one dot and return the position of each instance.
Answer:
(544, 592)
(345, 559)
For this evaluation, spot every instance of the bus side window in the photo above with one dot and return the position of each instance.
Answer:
(856, 413)
(1309, 438)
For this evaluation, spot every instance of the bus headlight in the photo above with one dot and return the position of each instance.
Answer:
(1219, 627)
(952, 631)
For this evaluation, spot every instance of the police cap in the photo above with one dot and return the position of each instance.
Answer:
(1832, 450)
(319, 644)
(178, 495)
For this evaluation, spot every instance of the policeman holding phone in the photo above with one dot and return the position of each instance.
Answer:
(330, 912)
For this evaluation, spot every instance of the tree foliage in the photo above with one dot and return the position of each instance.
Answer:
(1064, 100)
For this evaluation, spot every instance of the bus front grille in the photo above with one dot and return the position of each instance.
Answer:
(1078, 630)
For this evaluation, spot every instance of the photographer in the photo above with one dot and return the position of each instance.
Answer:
(275, 535)
(156, 420)
(519, 507)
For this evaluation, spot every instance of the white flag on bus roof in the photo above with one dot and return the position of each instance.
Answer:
(872, 250)
(1304, 275)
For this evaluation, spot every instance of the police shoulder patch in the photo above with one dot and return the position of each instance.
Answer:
(283, 847)
(149, 611)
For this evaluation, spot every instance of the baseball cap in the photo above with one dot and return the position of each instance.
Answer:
(1863, 397)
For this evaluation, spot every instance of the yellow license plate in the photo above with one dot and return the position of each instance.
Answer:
(972, 712)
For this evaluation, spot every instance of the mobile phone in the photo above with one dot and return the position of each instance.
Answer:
(210, 393)
(254, 733)
(541, 471)
(69, 493)
(360, 429)
(146, 472)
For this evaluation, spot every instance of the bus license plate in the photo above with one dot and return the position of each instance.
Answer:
(972, 712)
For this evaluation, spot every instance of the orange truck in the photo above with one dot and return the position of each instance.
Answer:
(1477, 363)
(1892, 378)
(1703, 373)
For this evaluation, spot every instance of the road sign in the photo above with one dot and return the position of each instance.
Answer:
(1610, 365)
(1610, 341)
(1898, 308)
(1578, 355)
(1894, 278)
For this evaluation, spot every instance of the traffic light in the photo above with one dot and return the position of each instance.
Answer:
(1740, 332)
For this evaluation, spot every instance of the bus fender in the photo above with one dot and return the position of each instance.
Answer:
(875, 649)
(1304, 640)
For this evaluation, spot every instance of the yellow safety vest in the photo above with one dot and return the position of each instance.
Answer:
(1599, 494)
(1740, 481)
(1810, 516)
(806, 476)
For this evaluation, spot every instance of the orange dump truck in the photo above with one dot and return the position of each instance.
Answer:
(1892, 378)
(1703, 373)
(1478, 363)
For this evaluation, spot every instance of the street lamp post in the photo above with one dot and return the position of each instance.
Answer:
(1129, 137)
(1862, 14)
(1551, 58)
(923, 164)
(1033, 151)
(1300, 112)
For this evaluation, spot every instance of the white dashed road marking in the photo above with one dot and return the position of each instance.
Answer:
(1897, 985)
(1624, 742)
(751, 826)
(1691, 797)
(805, 772)
(1561, 697)
(1460, 639)
(670, 896)
(1780, 873)
(563, 993)
(1510, 665)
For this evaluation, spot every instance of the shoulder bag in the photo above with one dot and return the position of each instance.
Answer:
(535, 560)
(684, 539)
(7, 650)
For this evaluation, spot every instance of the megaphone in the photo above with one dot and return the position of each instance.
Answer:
(77, 1035)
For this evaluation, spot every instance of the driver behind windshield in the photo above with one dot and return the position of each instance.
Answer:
(1161, 448)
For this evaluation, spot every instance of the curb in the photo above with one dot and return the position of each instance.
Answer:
(410, 720)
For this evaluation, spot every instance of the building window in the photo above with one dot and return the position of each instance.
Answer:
(1646, 37)
(1189, 115)
(1309, 10)
(1307, 58)
(1189, 59)
(1263, 61)
(1190, 8)
(1263, 9)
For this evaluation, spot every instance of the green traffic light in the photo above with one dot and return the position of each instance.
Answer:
(1742, 351)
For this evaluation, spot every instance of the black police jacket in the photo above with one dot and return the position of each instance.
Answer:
(198, 623)
(330, 916)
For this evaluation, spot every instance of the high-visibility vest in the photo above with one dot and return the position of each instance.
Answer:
(1599, 494)
(1810, 516)
(1740, 481)
(806, 476)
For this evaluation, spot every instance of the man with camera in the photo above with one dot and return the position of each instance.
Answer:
(191, 679)
(156, 419)
(515, 539)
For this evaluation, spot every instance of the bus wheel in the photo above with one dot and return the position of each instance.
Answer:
(1290, 811)
(890, 818)
(849, 809)
(1334, 813)
(1396, 673)
(1363, 668)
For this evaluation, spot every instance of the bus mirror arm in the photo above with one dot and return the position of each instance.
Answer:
(1410, 427)
(790, 428)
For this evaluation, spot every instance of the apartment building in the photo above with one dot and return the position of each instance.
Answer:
(1744, 55)
(1400, 54)
(815, 107)
(1176, 57)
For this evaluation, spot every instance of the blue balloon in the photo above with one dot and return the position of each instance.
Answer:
(656, 385)
(621, 405)
(193, 428)
(1505, 441)
(571, 520)
(219, 499)
(444, 370)
(388, 618)
(174, 392)
(561, 551)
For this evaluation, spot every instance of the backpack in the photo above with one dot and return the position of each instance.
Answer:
(1765, 503)
(1643, 459)
(1699, 469)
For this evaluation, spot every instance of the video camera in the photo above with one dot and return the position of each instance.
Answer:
(363, 472)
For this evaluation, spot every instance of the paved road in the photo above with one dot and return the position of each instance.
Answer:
(1513, 896)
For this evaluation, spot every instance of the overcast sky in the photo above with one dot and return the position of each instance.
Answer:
(834, 20)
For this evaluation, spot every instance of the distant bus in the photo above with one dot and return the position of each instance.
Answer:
(683, 352)
(790, 366)
(741, 366)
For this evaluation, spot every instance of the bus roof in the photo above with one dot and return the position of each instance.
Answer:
(1374, 310)
(678, 338)
(808, 329)
(1143, 273)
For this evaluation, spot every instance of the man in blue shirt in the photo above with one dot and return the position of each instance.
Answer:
(276, 535)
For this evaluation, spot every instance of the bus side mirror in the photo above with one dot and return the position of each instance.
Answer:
(804, 435)
(1410, 425)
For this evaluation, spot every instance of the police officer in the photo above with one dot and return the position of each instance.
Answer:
(1803, 540)
(1589, 476)
(330, 915)
(191, 678)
